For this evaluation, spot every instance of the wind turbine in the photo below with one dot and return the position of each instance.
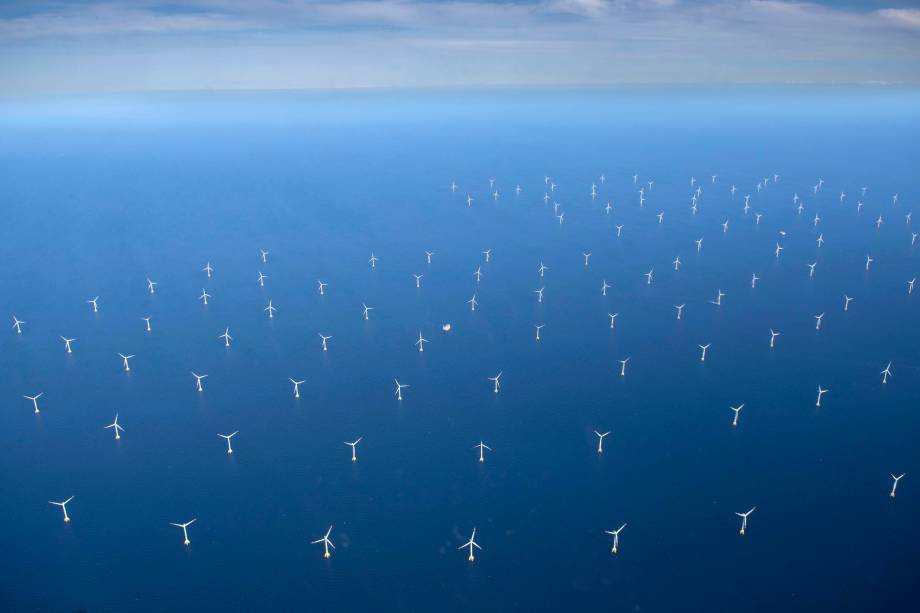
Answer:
(228, 437)
(326, 543)
(198, 379)
(496, 379)
(226, 336)
(207, 268)
(399, 388)
(744, 518)
(204, 296)
(116, 427)
(894, 486)
(600, 440)
(482, 447)
(737, 411)
(67, 342)
(616, 538)
(185, 530)
(821, 392)
(471, 543)
(270, 309)
(886, 373)
(325, 338)
(95, 303)
(125, 359)
(420, 343)
(296, 387)
(34, 400)
(704, 348)
(17, 324)
(63, 506)
(354, 457)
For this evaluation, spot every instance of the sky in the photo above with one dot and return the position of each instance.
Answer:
(104, 46)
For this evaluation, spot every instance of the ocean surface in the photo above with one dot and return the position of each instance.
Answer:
(99, 194)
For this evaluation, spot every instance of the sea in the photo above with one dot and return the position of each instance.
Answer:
(98, 194)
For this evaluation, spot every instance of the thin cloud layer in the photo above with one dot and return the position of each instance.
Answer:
(59, 47)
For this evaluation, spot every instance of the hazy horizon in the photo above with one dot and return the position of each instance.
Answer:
(113, 46)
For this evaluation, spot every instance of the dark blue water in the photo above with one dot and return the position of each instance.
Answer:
(99, 194)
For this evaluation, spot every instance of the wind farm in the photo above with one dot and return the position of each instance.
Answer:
(688, 344)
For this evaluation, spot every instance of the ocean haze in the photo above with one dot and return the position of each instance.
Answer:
(101, 192)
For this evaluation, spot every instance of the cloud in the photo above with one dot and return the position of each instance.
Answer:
(247, 44)
(908, 18)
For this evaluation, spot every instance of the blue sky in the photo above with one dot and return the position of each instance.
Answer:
(118, 45)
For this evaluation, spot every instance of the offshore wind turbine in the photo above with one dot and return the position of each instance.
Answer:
(821, 392)
(886, 373)
(471, 544)
(325, 338)
(616, 538)
(151, 285)
(773, 336)
(737, 412)
(297, 385)
(894, 486)
(264, 255)
(482, 447)
(198, 379)
(63, 506)
(261, 279)
(539, 327)
(270, 309)
(744, 519)
(17, 324)
(226, 336)
(34, 400)
(420, 343)
(354, 457)
(399, 388)
(207, 269)
(147, 322)
(704, 348)
(322, 287)
(116, 427)
(326, 543)
(367, 311)
(228, 437)
(846, 302)
(472, 302)
(418, 280)
(185, 530)
(496, 380)
(204, 296)
(600, 440)
(95, 303)
(67, 342)
(125, 359)
(680, 309)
